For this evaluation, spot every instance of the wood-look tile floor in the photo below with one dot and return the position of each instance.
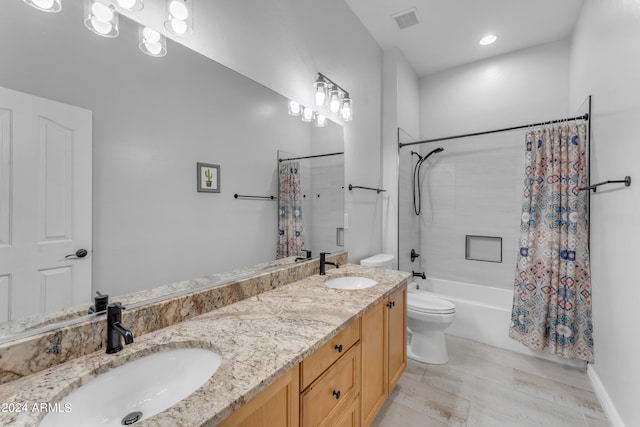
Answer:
(488, 386)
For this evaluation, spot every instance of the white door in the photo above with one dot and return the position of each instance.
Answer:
(45, 205)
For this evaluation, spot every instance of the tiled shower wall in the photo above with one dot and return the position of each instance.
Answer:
(472, 188)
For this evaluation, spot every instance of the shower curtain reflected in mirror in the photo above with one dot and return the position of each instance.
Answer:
(552, 288)
(290, 224)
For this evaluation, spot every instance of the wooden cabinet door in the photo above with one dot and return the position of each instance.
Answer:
(277, 405)
(397, 335)
(373, 343)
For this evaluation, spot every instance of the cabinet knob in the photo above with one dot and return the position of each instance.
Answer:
(338, 347)
(336, 394)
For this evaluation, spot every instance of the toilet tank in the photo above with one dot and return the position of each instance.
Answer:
(379, 261)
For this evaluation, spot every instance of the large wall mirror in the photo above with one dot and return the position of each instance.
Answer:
(151, 120)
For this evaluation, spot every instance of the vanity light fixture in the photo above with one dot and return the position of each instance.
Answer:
(336, 97)
(152, 42)
(321, 120)
(294, 108)
(179, 17)
(100, 18)
(131, 5)
(488, 39)
(45, 5)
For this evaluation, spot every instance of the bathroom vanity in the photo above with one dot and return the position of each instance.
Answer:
(300, 354)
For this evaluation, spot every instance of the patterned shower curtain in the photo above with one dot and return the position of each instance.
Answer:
(290, 226)
(552, 295)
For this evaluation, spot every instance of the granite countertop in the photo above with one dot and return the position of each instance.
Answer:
(259, 338)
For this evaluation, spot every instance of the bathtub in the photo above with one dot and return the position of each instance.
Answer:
(483, 314)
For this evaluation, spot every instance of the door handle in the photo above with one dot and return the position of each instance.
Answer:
(80, 253)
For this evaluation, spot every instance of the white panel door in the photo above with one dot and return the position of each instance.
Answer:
(45, 205)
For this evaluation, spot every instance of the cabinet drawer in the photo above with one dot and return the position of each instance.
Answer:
(333, 391)
(326, 355)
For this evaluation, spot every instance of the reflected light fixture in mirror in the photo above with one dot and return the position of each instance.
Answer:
(131, 5)
(45, 5)
(152, 42)
(321, 120)
(179, 17)
(294, 108)
(100, 18)
(307, 114)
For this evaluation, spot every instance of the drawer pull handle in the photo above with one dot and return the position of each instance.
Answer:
(336, 394)
(338, 347)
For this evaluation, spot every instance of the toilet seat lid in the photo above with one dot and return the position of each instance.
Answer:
(428, 303)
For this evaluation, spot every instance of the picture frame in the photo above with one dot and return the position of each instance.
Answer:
(208, 177)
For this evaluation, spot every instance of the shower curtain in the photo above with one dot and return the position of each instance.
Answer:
(290, 226)
(552, 288)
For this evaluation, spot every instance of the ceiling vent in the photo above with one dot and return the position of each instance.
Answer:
(407, 18)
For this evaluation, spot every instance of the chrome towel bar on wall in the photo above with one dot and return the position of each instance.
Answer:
(594, 187)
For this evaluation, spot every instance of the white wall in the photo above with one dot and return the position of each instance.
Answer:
(474, 187)
(605, 64)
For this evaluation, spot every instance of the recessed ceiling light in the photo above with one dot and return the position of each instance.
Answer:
(488, 39)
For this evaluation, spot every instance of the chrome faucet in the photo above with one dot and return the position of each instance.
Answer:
(115, 330)
(324, 262)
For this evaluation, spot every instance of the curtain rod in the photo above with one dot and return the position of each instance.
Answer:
(583, 117)
(310, 157)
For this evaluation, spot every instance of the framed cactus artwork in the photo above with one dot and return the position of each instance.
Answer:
(208, 177)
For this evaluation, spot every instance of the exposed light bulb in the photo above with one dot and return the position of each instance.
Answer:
(101, 19)
(152, 42)
(178, 10)
(179, 17)
(321, 92)
(334, 100)
(178, 27)
(45, 5)
(321, 121)
(346, 112)
(132, 5)
(101, 12)
(294, 108)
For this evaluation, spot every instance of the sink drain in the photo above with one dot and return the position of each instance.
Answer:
(131, 418)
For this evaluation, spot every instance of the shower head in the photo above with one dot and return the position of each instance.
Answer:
(437, 150)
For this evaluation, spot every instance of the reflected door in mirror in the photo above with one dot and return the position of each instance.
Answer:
(45, 204)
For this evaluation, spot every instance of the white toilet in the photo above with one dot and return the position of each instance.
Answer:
(427, 317)
(379, 261)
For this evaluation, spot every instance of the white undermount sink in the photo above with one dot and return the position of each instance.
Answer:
(350, 283)
(138, 389)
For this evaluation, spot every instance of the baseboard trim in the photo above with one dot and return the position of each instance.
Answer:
(603, 397)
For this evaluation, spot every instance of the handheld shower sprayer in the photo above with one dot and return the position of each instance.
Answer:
(417, 206)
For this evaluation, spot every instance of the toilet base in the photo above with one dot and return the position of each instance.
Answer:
(428, 347)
